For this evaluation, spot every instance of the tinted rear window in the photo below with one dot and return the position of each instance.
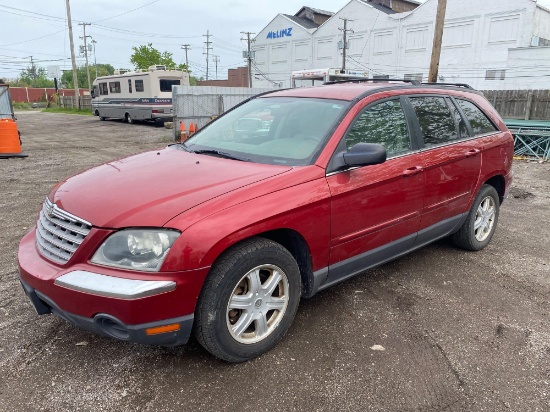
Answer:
(436, 122)
(479, 122)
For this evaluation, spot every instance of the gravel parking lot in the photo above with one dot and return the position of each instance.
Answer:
(456, 331)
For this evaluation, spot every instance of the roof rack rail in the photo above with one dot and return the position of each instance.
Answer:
(466, 86)
(412, 81)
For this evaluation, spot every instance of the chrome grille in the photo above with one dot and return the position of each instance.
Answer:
(58, 233)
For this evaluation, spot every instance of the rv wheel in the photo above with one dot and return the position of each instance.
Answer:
(129, 118)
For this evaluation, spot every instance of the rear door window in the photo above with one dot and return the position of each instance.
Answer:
(103, 89)
(478, 120)
(383, 123)
(436, 121)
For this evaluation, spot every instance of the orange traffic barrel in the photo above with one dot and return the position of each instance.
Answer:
(10, 144)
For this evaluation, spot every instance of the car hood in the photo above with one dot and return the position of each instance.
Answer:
(151, 188)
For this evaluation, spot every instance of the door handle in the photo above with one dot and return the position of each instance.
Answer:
(472, 152)
(411, 171)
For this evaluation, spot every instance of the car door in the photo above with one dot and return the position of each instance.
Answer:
(451, 161)
(375, 210)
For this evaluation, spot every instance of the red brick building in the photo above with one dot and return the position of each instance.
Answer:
(235, 78)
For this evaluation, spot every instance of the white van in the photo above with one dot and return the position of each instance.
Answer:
(137, 95)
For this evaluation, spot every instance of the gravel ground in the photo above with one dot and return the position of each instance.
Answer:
(456, 331)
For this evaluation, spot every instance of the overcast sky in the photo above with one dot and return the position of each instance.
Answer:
(37, 28)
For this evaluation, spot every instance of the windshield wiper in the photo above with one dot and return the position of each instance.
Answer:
(220, 154)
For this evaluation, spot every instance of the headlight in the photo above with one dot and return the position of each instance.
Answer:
(143, 249)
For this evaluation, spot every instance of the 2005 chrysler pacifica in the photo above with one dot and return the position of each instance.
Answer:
(281, 197)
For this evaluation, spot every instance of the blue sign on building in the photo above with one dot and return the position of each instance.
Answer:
(280, 33)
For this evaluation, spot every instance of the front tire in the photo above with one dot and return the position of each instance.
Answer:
(248, 300)
(479, 227)
(129, 119)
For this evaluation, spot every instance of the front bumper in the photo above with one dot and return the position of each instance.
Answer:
(121, 308)
(107, 325)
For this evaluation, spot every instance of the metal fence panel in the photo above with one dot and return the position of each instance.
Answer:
(200, 104)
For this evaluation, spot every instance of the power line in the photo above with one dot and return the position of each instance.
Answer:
(130, 11)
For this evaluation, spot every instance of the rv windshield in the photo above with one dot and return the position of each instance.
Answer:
(276, 130)
(166, 84)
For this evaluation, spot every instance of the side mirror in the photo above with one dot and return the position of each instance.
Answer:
(364, 154)
(92, 92)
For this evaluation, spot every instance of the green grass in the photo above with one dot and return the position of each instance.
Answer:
(86, 112)
(21, 106)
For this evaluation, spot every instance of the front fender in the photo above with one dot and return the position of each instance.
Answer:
(304, 208)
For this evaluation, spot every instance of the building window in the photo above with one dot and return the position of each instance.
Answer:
(130, 85)
(414, 76)
(416, 39)
(114, 87)
(495, 74)
(103, 91)
(301, 51)
(458, 34)
(325, 49)
(383, 43)
(139, 85)
(504, 29)
(279, 53)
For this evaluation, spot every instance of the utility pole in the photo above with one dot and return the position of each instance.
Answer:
(208, 48)
(216, 60)
(33, 73)
(95, 61)
(248, 56)
(345, 41)
(86, 53)
(75, 76)
(186, 47)
(438, 37)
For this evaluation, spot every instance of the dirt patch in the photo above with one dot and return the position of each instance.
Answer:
(461, 331)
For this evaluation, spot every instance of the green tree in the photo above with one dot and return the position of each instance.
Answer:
(102, 70)
(145, 56)
(34, 76)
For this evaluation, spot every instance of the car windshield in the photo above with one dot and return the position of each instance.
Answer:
(272, 130)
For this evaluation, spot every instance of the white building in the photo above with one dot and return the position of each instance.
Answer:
(489, 44)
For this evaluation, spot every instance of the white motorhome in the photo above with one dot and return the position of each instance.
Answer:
(313, 77)
(140, 95)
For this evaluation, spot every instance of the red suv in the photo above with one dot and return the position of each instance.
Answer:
(285, 195)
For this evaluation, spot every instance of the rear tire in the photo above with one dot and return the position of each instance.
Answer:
(129, 119)
(248, 300)
(479, 227)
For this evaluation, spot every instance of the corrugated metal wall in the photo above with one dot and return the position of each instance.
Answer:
(199, 104)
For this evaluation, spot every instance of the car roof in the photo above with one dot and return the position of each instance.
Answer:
(352, 90)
